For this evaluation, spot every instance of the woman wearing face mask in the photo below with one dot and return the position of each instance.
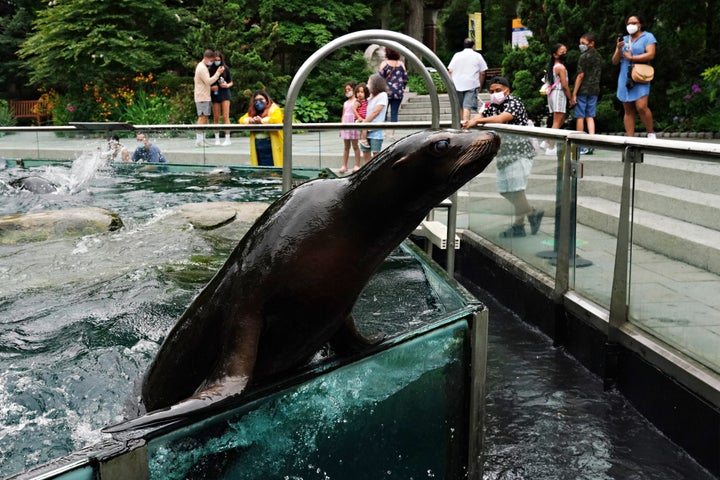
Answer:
(515, 158)
(636, 47)
(265, 147)
(221, 97)
(559, 95)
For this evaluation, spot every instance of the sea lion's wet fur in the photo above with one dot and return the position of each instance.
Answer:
(34, 185)
(289, 286)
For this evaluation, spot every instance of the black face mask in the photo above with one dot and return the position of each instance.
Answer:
(563, 57)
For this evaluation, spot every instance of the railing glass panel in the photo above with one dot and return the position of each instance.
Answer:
(674, 263)
(486, 211)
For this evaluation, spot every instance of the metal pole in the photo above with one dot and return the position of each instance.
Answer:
(365, 36)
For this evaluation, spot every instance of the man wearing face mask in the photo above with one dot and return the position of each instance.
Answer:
(265, 145)
(203, 99)
(147, 152)
(515, 158)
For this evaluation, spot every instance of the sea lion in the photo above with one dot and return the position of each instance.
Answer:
(289, 286)
(34, 185)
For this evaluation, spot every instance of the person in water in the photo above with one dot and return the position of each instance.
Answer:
(147, 152)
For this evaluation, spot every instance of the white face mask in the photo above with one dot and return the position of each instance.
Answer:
(497, 98)
(631, 29)
(583, 48)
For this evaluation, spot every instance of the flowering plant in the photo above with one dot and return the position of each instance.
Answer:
(694, 108)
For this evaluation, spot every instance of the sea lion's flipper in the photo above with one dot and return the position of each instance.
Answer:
(348, 340)
(232, 375)
(207, 400)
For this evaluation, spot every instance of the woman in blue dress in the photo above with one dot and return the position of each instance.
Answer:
(638, 46)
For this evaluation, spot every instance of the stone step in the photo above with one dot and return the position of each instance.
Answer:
(675, 238)
(692, 206)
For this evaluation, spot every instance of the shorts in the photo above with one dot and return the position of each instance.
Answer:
(468, 100)
(204, 109)
(557, 101)
(585, 106)
(514, 177)
(375, 145)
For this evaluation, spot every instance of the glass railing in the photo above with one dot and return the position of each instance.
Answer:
(631, 227)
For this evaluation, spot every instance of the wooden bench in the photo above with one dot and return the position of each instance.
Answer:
(28, 109)
(492, 72)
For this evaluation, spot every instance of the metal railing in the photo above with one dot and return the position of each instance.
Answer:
(691, 367)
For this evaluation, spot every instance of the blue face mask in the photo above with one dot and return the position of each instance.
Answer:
(259, 106)
(208, 63)
(217, 63)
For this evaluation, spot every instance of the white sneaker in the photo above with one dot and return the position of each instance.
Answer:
(217, 140)
(227, 142)
(551, 151)
(543, 144)
(651, 136)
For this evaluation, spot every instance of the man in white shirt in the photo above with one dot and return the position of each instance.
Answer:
(203, 102)
(467, 69)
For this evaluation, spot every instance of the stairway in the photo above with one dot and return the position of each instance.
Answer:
(418, 108)
(677, 205)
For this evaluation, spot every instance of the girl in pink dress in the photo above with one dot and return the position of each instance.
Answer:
(350, 137)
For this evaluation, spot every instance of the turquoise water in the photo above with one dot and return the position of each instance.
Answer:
(397, 414)
(81, 317)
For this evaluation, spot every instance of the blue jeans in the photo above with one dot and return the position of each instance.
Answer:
(394, 108)
(263, 148)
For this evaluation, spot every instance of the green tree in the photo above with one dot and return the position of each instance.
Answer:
(15, 21)
(248, 41)
(74, 41)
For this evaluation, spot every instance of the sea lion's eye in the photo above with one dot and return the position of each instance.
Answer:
(440, 147)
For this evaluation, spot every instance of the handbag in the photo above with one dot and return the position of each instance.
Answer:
(642, 72)
(547, 89)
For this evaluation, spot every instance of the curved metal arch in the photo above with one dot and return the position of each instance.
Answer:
(383, 37)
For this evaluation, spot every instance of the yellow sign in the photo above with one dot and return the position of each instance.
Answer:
(475, 29)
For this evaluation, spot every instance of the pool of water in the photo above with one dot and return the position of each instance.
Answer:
(548, 418)
(81, 317)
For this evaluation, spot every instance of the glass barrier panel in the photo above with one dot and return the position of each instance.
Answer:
(397, 414)
(595, 216)
(529, 180)
(675, 271)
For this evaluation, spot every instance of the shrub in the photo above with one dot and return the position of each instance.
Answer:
(416, 83)
(310, 111)
(6, 118)
(694, 107)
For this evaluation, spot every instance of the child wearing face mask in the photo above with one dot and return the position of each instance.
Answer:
(587, 86)
(559, 96)
(349, 137)
(515, 158)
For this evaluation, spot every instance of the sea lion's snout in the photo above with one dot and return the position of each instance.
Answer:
(480, 149)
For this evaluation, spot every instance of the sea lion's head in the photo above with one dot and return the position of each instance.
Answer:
(428, 166)
(34, 185)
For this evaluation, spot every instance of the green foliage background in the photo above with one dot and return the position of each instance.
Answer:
(81, 53)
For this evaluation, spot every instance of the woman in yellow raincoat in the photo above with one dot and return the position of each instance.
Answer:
(266, 148)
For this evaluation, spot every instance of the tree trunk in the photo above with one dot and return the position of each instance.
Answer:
(415, 20)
